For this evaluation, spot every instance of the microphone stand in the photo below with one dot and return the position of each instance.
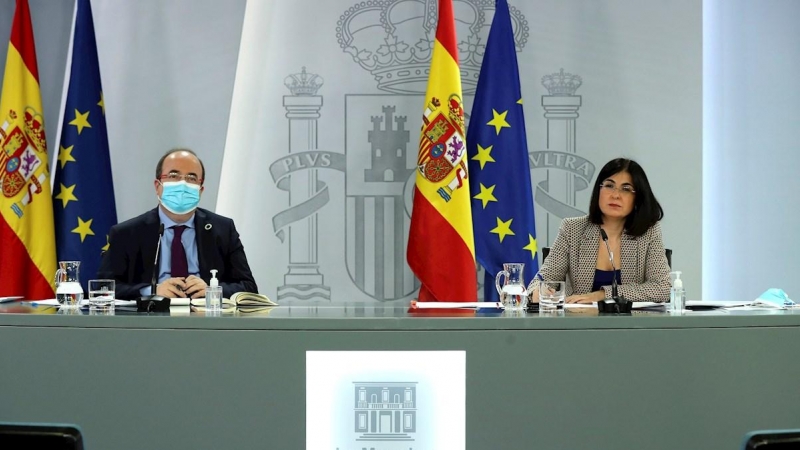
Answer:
(617, 303)
(153, 302)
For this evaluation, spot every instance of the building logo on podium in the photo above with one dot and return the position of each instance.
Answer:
(385, 412)
(386, 400)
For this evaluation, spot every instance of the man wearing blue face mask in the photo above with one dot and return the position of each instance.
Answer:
(195, 240)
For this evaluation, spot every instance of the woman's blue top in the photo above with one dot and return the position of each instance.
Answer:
(604, 277)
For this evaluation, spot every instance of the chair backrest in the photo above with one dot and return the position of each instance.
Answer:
(772, 440)
(667, 251)
(18, 436)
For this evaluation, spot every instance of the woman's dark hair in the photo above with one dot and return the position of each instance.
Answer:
(646, 209)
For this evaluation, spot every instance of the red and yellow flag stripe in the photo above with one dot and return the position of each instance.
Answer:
(441, 249)
(27, 239)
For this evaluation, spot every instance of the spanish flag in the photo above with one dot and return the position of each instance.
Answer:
(27, 239)
(441, 250)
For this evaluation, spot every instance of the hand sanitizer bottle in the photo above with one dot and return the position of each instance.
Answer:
(677, 296)
(214, 293)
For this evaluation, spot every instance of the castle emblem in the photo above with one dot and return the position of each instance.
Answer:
(22, 152)
(380, 163)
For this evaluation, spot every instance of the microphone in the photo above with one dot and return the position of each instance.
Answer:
(154, 302)
(154, 279)
(614, 292)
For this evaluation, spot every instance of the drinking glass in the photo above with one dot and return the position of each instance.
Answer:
(101, 311)
(551, 295)
(101, 292)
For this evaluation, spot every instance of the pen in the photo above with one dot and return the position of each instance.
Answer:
(36, 304)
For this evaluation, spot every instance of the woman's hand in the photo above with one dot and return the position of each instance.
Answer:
(591, 297)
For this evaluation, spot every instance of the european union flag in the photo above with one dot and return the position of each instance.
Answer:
(499, 173)
(83, 199)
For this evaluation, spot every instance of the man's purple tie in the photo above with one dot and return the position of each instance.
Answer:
(179, 265)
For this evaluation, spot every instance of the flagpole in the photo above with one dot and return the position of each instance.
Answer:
(64, 90)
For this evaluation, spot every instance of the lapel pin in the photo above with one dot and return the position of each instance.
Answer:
(208, 226)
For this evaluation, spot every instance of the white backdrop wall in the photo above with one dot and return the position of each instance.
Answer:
(169, 67)
(328, 228)
(751, 148)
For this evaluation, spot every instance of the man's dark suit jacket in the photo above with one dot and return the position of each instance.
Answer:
(132, 250)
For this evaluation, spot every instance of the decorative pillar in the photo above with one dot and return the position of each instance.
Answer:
(303, 111)
(561, 111)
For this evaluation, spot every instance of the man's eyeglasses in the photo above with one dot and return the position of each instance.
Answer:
(174, 176)
(626, 189)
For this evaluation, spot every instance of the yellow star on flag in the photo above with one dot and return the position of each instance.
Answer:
(486, 195)
(531, 246)
(106, 247)
(84, 228)
(519, 102)
(65, 155)
(484, 155)
(502, 229)
(81, 121)
(66, 195)
(498, 120)
(102, 104)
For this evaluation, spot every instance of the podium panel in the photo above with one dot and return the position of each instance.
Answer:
(650, 381)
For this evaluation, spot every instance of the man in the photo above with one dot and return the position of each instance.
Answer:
(195, 240)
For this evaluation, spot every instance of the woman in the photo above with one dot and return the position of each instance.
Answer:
(624, 206)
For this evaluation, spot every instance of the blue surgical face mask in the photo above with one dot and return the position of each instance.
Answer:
(776, 297)
(180, 197)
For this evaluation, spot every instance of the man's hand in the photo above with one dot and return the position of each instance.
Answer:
(195, 287)
(172, 288)
(591, 297)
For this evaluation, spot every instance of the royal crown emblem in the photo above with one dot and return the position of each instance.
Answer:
(303, 83)
(393, 40)
(562, 83)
